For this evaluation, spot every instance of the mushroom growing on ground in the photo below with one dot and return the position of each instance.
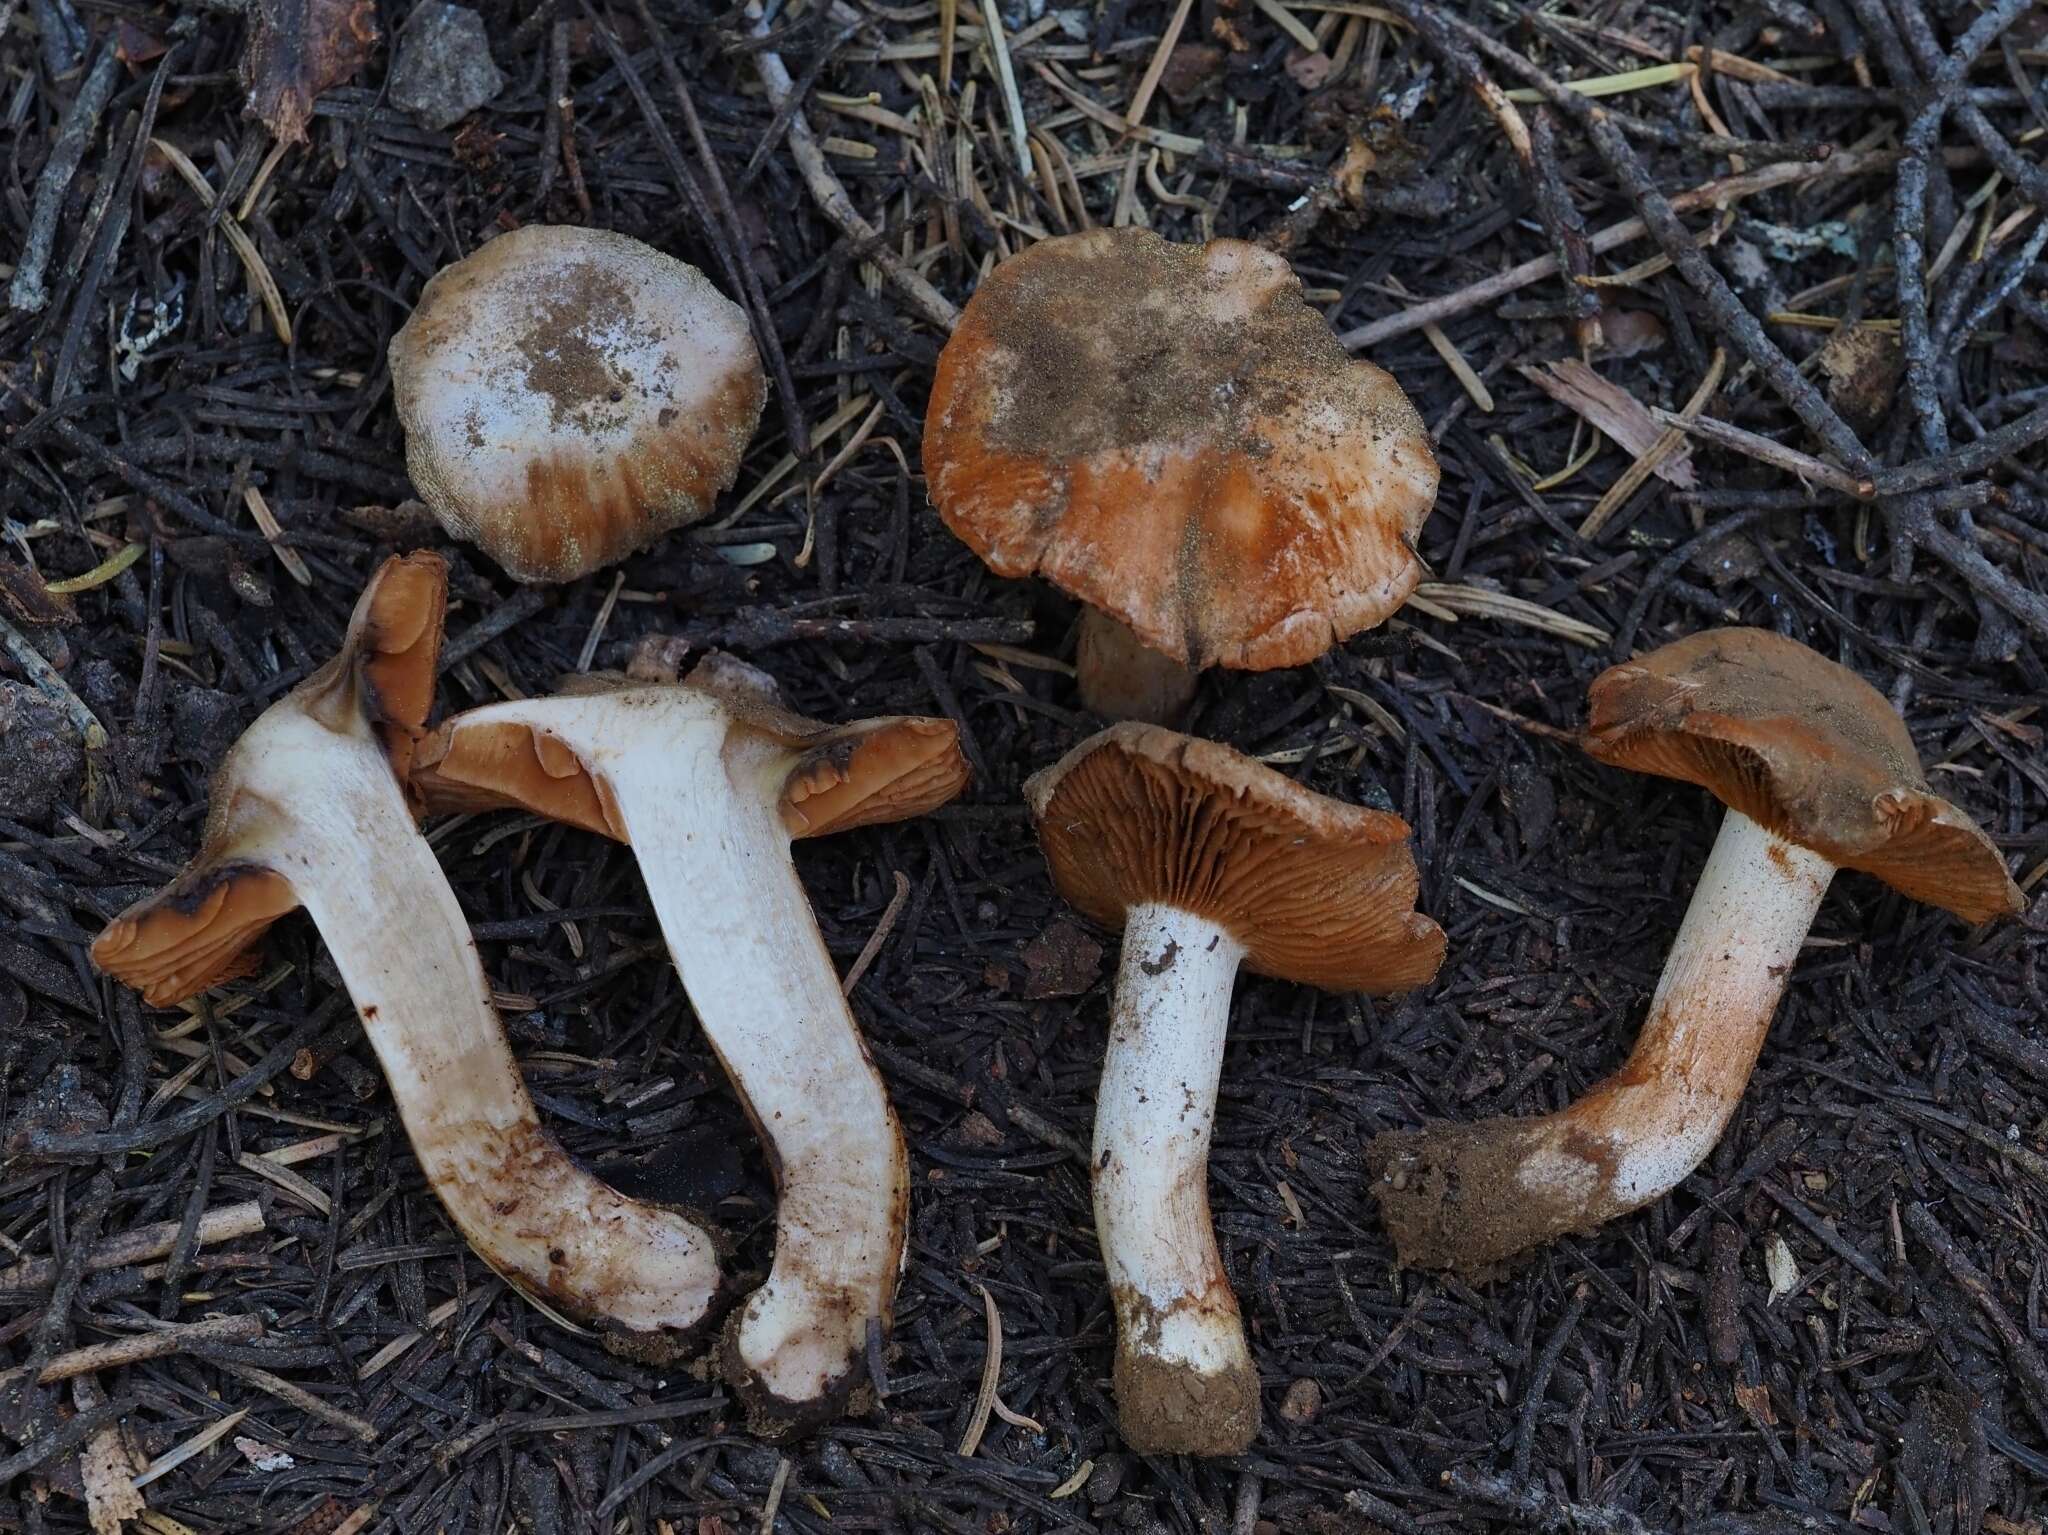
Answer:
(1818, 774)
(1172, 436)
(570, 395)
(309, 809)
(1207, 860)
(709, 780)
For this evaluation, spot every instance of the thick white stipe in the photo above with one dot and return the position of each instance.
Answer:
(338, 829)
(1153, 1116)
(700, 804)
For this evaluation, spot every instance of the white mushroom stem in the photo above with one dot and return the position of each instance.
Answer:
(1183, 1371)
(373, 888)
(1467, 1196)
(702, 813)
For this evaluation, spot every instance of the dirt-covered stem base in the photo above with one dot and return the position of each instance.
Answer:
(1467, 1196)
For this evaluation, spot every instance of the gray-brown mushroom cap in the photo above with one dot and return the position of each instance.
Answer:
(570, 395)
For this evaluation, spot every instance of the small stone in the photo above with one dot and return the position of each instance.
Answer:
(444, 70)
(1062, 961)
(1862, 365)
(204, 723)
(1107, 1479)
(1304, 1399)
(59, 1105)
(1191, 73)
(42, 760)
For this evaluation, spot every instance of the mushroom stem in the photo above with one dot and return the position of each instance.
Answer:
(372, 886)
(1122, 678)
(1468, 1196)
(704, 823)
(1184, 1380)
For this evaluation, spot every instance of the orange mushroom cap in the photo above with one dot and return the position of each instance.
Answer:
(1805, 748)
(1170, 434)
(1316, 890)
(861, 774)
(202, 928)
(570, 395)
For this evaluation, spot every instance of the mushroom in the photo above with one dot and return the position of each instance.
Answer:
(1171, 435)
(570, 395)
(709, 780)
(309, 808)
(1207, 860)
(1818, 774)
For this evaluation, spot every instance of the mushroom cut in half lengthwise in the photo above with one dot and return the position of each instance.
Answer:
(1208, 861)
(1818, 774)
(709, 780)
(309, 809)
(1171, 435)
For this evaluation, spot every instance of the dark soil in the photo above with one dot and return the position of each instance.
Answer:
(1836, 1324)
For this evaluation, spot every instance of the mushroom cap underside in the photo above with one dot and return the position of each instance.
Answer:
(1317, 891)
(1171, 435)
(202, 928)
(860, 774)
(569, 395)
(1804, 747)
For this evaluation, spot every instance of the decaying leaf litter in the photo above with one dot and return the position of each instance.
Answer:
(1837, 1319)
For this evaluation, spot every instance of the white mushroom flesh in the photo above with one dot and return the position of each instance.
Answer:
(700, 803)
(330, 818)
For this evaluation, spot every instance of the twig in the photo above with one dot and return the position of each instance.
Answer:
(64, 1438)
(302, 1399)
(1718, 193)
(173, 1339)
(1541, 1508)
(1766, 450)
(795, 425)
(67, 151)
(186, 1120)
(43, 677)
(140, 1246)
(2019, 1348)
(831, 196)
(756, 627)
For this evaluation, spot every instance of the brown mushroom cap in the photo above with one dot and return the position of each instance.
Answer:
(860, 774)
(1171, 435)
(570, 395)
(202, 928)
(1804, 747)
(1316, 890)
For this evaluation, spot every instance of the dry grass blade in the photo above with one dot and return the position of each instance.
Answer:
(1646, 463)
(1623, 418)
(1618, 84)
(287, 556)
(245, 248)
(991, 1370)
(1141, 98)
(205, 1439)
(1478, 602)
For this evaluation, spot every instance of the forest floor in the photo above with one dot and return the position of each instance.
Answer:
(1837, 1323)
